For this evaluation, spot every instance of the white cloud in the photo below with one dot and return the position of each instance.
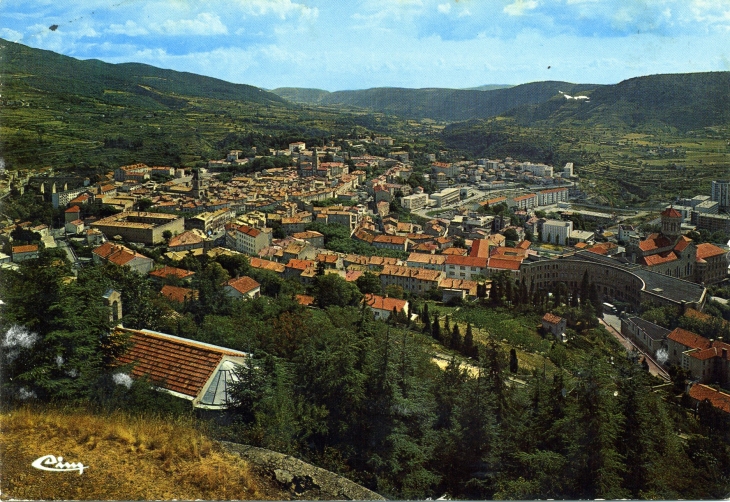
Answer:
(519, 7)
(280, 8)
(203, 24)
(130, 28)
(444, 8)
(12, 35)
(465, 13)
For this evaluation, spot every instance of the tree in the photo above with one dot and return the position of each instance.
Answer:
(513, 363)
(456, 342)
(369, 283)
(469, 348)
(436, 328)
(511, 235)
(447, 324)
(395, 291)
(167, 235)
(426, 319)
(331, 289)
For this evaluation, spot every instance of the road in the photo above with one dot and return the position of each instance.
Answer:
(612, 323)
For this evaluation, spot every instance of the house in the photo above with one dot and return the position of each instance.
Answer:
(645, 334)
(243, 287)
(705, 361)
(718, 399)
(190, 239)
(27, 252)
(171, 273)
(458, 288)
(554, 324)
(123, 257)
(71, 214)
(414, 280)
(74, 227)
(383, 306)
(198, 372)
(178, 294)
(465, 267)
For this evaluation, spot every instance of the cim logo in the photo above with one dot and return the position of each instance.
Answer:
(56, 464)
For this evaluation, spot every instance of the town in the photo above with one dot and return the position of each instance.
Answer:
(479, 219)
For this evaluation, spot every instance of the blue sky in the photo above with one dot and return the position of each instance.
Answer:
(359, 44)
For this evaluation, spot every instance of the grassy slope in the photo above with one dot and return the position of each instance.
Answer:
(128, 458)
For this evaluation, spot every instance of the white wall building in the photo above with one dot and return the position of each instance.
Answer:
(557, 232)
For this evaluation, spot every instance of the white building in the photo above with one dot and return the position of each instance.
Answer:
(721, 192)
(415, 201)
(446, 196)
(557, 232)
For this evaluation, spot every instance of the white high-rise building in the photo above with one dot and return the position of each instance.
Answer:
(721, 192)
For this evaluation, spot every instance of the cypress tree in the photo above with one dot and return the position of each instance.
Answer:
(456, 338)
(513, 364)
(468, 342)
(436, 328)
(447, 324)
(426, 319)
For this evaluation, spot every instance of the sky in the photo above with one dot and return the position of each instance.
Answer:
(359, 44)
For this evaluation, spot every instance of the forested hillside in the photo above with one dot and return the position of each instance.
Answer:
(366, 398)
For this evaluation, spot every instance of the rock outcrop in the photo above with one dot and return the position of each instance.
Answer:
(303, 480)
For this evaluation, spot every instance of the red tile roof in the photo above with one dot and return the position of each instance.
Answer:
(29, 248)
(672, 213)
(682, 243)
(466, 261)
(654, 241)
(305, 300)
(506, 264)
(176, 364)
(719, 400)
(243, 284)
(188, 238)
(707, 250)
(384, 303)
(73, 209)
(253, 232)
(658, 259)
(480, 248)
(177, 294)
(167, 271)
(689, 339)
(551, 318)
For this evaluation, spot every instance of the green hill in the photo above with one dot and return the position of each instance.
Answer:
(449, 105)
(301, 95)
(682, 101)
(51, 72)
(87, 115)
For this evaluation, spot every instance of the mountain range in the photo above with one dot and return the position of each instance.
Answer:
(680, 101)
(450, 105)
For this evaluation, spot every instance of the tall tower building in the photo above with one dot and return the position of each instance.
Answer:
(721, 193)
(199, 186)
(315, 161)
